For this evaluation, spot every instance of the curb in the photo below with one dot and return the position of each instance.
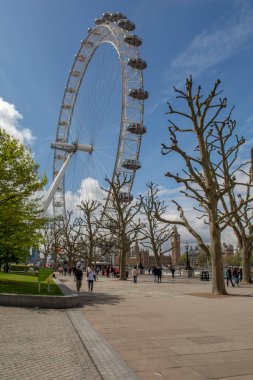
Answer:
(47, 302)
(67, 301)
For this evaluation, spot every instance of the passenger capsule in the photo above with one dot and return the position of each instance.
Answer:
(57, 204)
(98, 21)
(70, 90)
(93, 31)
(113, 17)
(125, 197)
(88, 44)
(126, 24)
(81, 58)
(136, 128)
(137, 63)
(66, 106)
(106, 16)
(105, 245)
(131, 164)
(76, 74)
(117, 16)
(133, 40)
(60, 139)
(138, 93)
(111, 225)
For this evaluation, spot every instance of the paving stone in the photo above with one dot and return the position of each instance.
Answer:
(38, 344)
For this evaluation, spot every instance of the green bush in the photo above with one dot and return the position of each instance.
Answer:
(19, 268)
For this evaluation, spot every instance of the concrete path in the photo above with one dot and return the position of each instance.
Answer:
(175, 330)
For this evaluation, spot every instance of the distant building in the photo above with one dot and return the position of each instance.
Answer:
(35, 256)
(175, 245)
(142, 257)
(193, 256)
(228, 250)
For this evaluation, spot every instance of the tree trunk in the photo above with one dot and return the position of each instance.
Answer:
(122, 266)
(157, 258)
(246, 265)
(218, 283)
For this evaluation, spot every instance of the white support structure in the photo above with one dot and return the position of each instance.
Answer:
(49, 196)
(70, 149)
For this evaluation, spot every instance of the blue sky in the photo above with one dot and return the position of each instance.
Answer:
(209, 39)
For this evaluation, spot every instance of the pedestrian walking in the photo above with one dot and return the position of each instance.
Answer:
(159, 274)
(172, 269)
(236, 275)
(91, 277)
(154, 273)
(135, 274)
(78, 277)
(229, 276)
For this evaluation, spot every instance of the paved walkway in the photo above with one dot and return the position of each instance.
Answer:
(174, 330)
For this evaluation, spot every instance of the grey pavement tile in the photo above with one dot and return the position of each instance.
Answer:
(154, 364)
(183, 373)
(243, 377)
(214, 357)
(106, 359)
(150, 375)
(208, 339)
(226, 369)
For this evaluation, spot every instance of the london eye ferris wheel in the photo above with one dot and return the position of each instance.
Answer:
(100, 124)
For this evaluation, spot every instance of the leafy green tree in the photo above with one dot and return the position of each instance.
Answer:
(20, 211)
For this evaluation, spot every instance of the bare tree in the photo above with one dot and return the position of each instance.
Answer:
(51, 237)
(89, 229)
(155, 233)
(70, 235)
(240, 207)
(209, 171)
(119, 220)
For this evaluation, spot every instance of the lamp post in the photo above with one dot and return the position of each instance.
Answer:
(187, 256)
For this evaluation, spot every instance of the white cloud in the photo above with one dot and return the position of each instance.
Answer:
(89, 190)
(198, 224)
(9, 121)
(249, 120)
(214, 46)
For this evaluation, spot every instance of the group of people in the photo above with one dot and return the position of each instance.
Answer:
(156, 272)
(233, 276)
(90, 274)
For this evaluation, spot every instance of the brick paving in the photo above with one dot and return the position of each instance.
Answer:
(41, 344)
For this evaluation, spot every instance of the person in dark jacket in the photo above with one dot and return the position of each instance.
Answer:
(229, 276)
(79, 278)
(159, 274)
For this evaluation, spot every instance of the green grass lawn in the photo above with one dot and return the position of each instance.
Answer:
(26, 284)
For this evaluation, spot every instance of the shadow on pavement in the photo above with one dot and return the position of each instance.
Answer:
(212, 296)
(100, 298)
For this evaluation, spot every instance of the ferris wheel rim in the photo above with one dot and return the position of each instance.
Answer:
(112, 34)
